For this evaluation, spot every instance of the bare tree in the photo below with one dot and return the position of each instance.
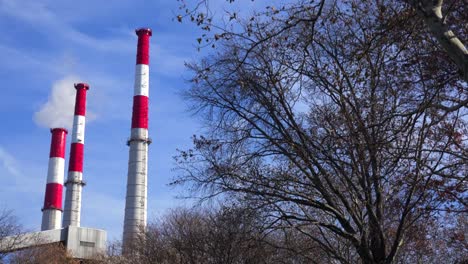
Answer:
(438, 245)
(224, 235)
(347, 132)
(113, 255)
(45, 254)
(10, 231)
(445, 22)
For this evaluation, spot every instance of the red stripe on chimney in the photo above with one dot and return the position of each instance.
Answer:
(76, 157)
(143, 46)
(53, 196)
(140, 112)
(57, 145)
(80, 101)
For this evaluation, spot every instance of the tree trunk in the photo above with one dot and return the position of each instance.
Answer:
(431, 12)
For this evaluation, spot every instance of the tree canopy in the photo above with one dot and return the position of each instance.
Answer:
(343, 120)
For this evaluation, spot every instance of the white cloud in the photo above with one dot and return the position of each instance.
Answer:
(44, 20)
(58, 111)
(25, 61)
(16, 178)
(21, 189)
(8, 163)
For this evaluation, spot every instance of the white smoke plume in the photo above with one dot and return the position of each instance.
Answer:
(58, 111)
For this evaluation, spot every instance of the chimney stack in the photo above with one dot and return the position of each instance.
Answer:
(136, 197)
(75, 183)
(52, 210)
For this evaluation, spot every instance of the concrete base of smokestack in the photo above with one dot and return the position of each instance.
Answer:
(72, 211)
(51, 219)
(136, 198)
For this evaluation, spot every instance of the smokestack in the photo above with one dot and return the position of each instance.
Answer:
(52, 210)
(75, 183)
(136, 198)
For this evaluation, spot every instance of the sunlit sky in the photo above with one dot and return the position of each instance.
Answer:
(45, 47)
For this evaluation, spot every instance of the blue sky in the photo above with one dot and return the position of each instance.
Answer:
(46, 46)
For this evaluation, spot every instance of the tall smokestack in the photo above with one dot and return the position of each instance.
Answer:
(75, 183)
(52, 210)
(136, 198)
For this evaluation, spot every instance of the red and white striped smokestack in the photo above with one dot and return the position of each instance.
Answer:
(75, 183)
(136, 197)
(52, 210)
